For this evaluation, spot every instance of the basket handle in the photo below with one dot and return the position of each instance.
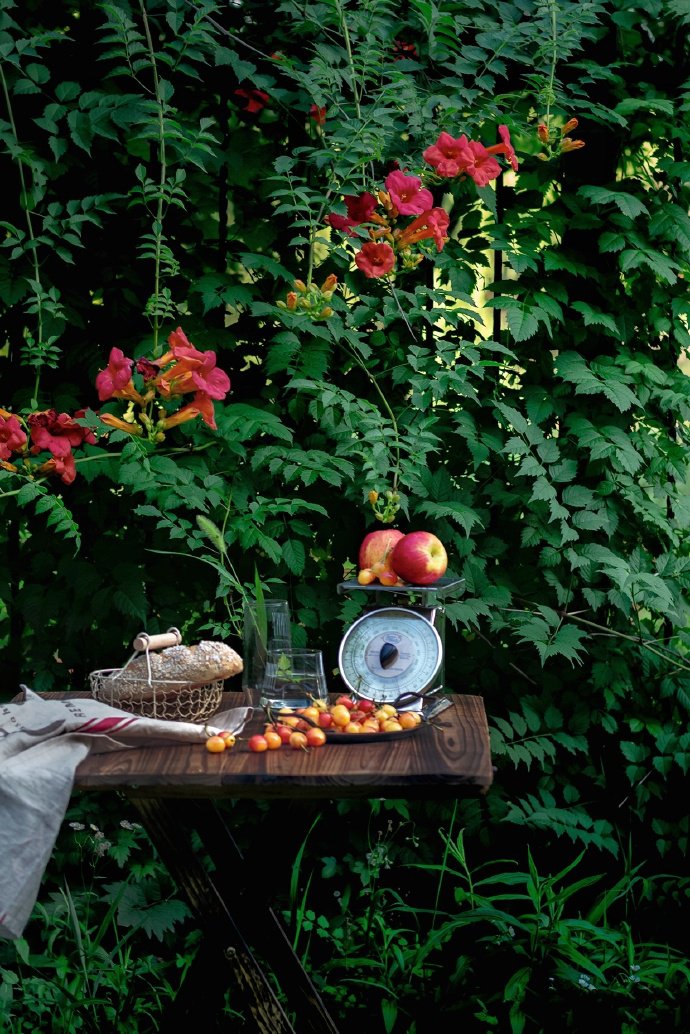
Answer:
(146, 642)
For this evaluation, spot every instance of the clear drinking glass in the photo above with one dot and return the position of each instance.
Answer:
(266, 627)
(293, 678)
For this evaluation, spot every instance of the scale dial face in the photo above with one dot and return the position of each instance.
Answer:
(390, 651)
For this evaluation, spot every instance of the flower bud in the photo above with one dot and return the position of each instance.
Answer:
(182, 416)
(119, 425)
(570, 124)
(543, 132)
(373, 496)
(570, 145)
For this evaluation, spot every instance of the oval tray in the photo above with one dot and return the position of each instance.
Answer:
(368, 737)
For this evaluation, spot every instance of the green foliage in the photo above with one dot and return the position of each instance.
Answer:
(523, 392)
(522, 946)
(87, 960)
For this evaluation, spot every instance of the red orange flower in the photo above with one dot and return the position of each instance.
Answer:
(452, 157)
(183, 370)
(57, 433)
(360, 209)
(407, 193)
(116, 375)
(401, 49)
(447, 156)
(509, 150)
(148, 369)
(255, 100)
(12, 435)
(375, 259)
(431, 224)
(480, 166)
(182, 416)
(191, 371)
(64, 466)
(204, 406)
(341, 222)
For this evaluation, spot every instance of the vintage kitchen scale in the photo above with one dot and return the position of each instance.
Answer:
(397, 646)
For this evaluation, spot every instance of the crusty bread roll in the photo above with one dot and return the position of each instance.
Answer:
(204, 662)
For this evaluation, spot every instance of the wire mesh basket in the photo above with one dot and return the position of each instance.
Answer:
(138, 691)
(179, 701)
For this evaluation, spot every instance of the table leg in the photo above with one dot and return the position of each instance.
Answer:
(234, 914)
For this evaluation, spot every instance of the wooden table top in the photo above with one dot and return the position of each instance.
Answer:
(449, 756)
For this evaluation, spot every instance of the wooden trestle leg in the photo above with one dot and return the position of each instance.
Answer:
(236, 920)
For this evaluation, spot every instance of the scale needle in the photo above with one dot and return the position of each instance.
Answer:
(388, 654)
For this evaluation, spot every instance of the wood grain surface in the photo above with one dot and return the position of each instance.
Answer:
(450, 755)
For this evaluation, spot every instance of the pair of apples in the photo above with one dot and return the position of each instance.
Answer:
(418, 558)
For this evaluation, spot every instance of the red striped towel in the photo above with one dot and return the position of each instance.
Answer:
(42, 742)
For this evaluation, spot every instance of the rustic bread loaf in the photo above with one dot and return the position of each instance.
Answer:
(204, 662)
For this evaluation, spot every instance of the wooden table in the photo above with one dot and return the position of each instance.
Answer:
(175, 791)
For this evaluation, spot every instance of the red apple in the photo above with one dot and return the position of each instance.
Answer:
(419, 558)
(377, 546)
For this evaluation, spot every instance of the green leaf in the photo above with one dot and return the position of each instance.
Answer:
(542, 489)
(468, 612)
(216, 290)
(131, 602)
(255, 261)
(27, 493)
(488, 196)
(514, 417)
(658, 105)
(244, 421)
(578, 496)
(294, 555)
(466, 517)
(598, 318)
(573, 368)
(661, 265)
(569, 642)
(244, 70)
(591, 520)
(628, 204)
(522, 322)
(81, 129)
